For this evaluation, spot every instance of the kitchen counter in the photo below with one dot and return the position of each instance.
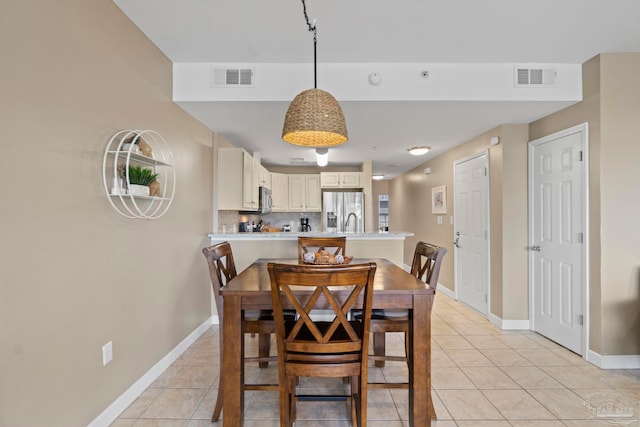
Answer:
(219, 237)
(247, 247)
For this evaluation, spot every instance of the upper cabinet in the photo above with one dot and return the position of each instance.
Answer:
(238, 179)
(341, 179)
(304, 193)
(279, 192)
(313, 198)
(240, 175)
(264, 176)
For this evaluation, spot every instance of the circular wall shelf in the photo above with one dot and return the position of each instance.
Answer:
(149, 150)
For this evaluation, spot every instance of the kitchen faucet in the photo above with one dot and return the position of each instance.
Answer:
(346, 223)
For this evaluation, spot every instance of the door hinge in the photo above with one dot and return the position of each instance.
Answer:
(580, 319)
(485, 171)
(580, 155)
(580, 238)
(486, 298)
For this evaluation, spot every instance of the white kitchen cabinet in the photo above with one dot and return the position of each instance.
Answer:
(279, 192)
(330, 179)
(238, 180)
(264, 177)
(341, 179)
(351, 179)
(261, 174)
(296, 193)
(304, 193)
(249, 182)
(313, 196)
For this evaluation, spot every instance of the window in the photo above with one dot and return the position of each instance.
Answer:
(383, 212)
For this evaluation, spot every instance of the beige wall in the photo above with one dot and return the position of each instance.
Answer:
(75, 274)
(586, 111)
(512, 232)
(410, 210)
(611, 107)
(620, 203)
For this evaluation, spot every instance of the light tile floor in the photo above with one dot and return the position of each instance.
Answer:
(482, 376)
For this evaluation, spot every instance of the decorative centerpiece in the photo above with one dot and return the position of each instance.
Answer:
(139, 180)
(324, 257)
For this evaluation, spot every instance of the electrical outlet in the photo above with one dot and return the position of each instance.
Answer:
(439, 220)
(107, 353)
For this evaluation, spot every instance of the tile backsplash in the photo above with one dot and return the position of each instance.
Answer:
(228, 220)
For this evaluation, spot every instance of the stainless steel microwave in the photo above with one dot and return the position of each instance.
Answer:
(265, 200)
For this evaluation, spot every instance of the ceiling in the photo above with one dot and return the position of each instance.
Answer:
(382, 32)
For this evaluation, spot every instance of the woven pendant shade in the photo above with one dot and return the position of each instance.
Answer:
(314, 119)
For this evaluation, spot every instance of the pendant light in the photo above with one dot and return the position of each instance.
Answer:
(314, 118)
(322, 157)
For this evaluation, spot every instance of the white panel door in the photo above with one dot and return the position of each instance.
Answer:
(556, 174)
(471, 231)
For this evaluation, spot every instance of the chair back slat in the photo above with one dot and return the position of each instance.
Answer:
(427, 260)
(335, 245)
(222, 269)
(336, 289)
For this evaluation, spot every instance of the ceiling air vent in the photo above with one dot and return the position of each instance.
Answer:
(535, 77)
(237, 77)
(300, 161)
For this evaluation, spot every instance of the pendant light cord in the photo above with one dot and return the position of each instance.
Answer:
(313, 29)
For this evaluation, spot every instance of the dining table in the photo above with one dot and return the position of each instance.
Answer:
(394, 288)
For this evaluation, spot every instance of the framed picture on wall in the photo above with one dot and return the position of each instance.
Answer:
(439, 200)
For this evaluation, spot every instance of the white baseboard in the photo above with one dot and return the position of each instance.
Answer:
(441, 289)
(114, 410)
(603, 362)
(631, 361)
(508, 324)
(446, 291)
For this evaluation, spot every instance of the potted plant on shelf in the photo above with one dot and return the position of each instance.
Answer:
(139, 180)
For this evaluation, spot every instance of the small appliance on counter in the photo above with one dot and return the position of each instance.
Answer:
(251, 227)
(286, 228)
(304, 224)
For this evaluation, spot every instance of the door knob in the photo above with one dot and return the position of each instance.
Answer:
(535, 248)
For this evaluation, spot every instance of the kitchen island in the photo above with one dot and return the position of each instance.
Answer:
(247, 247)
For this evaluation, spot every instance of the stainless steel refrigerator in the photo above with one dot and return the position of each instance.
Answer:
(343, 212)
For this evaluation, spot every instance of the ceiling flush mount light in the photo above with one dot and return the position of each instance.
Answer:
(314, 118)
(419, 151)
(322, 156)
(377, 176)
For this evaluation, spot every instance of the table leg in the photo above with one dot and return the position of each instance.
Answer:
(233, 363)
(420, 405)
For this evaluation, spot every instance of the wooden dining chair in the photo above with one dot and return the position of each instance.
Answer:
(426, 263)
(335, 245)
(222, 269)
(427, 259)
(326, 349)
